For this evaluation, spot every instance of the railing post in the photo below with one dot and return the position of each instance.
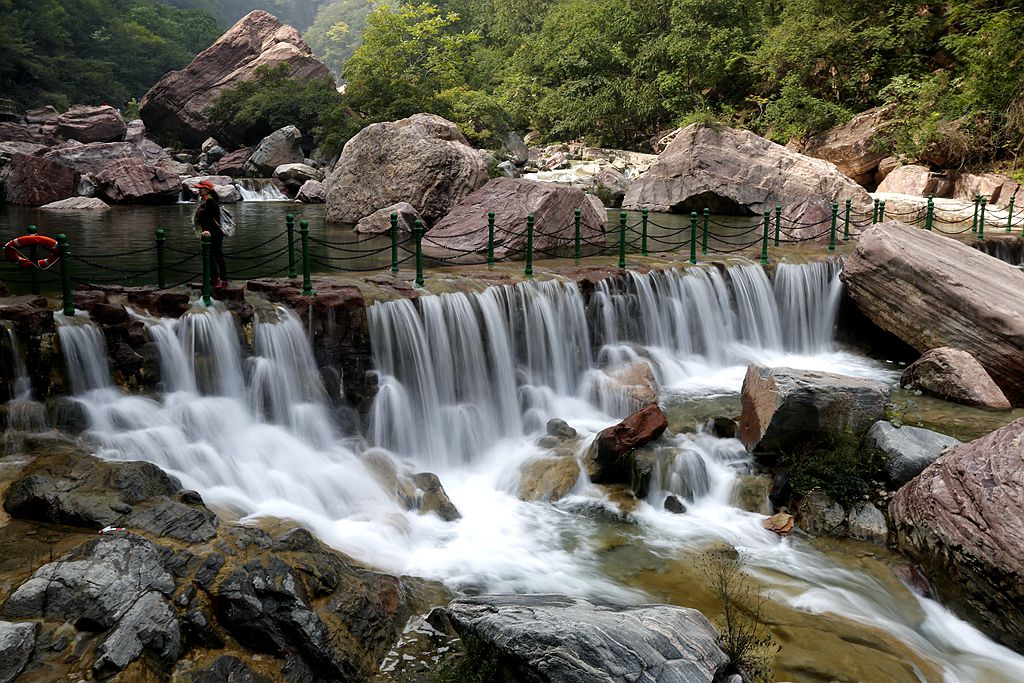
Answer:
(981, 219)
(693, 237)
(207, 290)
(881, 211)
(778, 222)
(490, 238)
(622, 239)
(161, 239)
(289, 222)
(764, 237)
(832, 230)
(307, 259)
(577, 219)
(529, 246)
(417, 232)
(929, 218)
(33, 276)
(874, 212)
(846, 221)
(1009, 214)
(704, 236)
(974, 222)
(65, 274)
(394, 242)
(643, 233)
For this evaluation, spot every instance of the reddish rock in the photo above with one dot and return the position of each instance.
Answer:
(91, 124)
(956, 376)
(34, 181)
(167, 303)
(94, 157)
(132, 181)
(29, 315)
(853, 147)
(609, 459)
(9, 149)
(913, 180)
(962, 520)
(379, 222)
(233, 164)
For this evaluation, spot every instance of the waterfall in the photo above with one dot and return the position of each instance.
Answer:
(21, 386)
(260, 190)
(85, 354)
(23, 413)
(808, 296)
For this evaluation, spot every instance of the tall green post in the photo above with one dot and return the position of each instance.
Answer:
(394, 242)
(881, 211)
(874, 212)
(764, 237)
(577, 219)
(846, 221)
(33, 254)
(974, 222)
(529, 246)
(643, 231)
(490, 238)
(832, 230)
(981, 219)
(622, 239)
(693, 237)
(161, 239)
(65, 274)
(704, 236)
(207, 290)
(307, 259)
(1009, 214)
(929, 217)
(417, 232)
(289, 222)
(778, 222)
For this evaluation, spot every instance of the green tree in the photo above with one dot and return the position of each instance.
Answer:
(337, 31)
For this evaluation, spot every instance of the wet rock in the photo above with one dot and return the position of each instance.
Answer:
(423, 160)
(295, 175)
(132, 181)
(233, 163)
(278, 149)
(163, 303)
(379, 222)
(636, 382)
(560, 428)
(932, 292)
(853, 147)
(912, 180)
(674, 505)
(644, 644)
(77, 204)
(784, 408)
(16, 644)
(752, 493)
(432, 497)
(548, 479)
(724, 427)
(34, 181)
(781, 523)
(312, 192)
(819, 515)
(867, 523)
(961, 520)
(907, 450)
(91, 124)
(176, 106)
(955, 375)
(512, 200)
(735, 171)
(611, 458)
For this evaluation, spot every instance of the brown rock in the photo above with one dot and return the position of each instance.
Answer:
(94, 157)
(512, 200)
(956, 376)
(433, 498)
(9, 149)
(379, 222)
(784, 407)
(962, 520)
(781, 523)
(312, 192)
(609, 458)
(41, 115)
(34, 181)
(175, 106)
(932, 291)
(885, 167)
(733, 171)
(853, 146)
(996, 189)
(637, 381)
(16, 132)
(132, 181)
(233, 163)
(548, 479)
(77, 204)
(423, 160)
(91, 124)
(913, 180)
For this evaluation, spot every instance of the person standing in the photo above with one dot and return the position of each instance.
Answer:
(208, 218)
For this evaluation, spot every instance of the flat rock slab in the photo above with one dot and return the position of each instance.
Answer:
(77, 204)
(557, 638)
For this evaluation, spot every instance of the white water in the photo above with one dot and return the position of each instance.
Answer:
(467, 383)
(259, 190)
(23, 413)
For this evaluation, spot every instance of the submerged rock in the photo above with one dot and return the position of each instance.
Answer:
(907, 450)
(648, 644)
(548, 479)
(77, 204)
(956, 376)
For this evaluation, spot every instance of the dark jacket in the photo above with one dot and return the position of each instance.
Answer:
(208, 215)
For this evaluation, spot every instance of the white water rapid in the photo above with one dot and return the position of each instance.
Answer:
(260, 190)
(467, 383)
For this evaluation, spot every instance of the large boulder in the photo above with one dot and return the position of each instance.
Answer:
(295, 175)
(9, 149)
(784, 408)
(512, 200)
(277, 149)
(962, 520)
(312, 192)
(570, 640)
(94, 157)
(423, 160)
(996, 189)
(92, 124)
(16, 644)
(133, 181)
(611, 458)
(956, 376)
(34, 181)
(733, 171)
(176, 106)
(233, 163)
(912, 180)
(379, 222)
(906, 450)
(932, 291)
(853, 147)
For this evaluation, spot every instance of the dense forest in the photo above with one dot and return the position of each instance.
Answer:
(613, 72)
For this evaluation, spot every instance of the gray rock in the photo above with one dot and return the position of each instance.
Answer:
(277, 149)
(819, 515)
(215, 154)
(86, 186)
(227, 194)
(42, 115)
(312, 192)
(16, 644)
(517, 150)
(867, 523)
(655, 643)
(508, 169)
(674, 505)
(908, 450)
(379, 222)
(433, 498)
(560, 428)
(295, 175)
(225, 669)
(150, 624)
(77, 204)
(94, 157)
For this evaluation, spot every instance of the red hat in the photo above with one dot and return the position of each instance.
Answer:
(205, 184)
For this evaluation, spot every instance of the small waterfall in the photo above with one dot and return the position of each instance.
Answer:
(22, 413)
(85, 354)
(260, 190)
(808, 297)
(1010, 250)
(21, 386)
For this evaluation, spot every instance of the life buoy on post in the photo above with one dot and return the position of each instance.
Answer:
(12, 250)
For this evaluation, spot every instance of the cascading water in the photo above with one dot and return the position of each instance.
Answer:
(808, 297)
(23, 413)
(260, 190)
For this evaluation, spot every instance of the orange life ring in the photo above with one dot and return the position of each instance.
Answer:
(12, 250)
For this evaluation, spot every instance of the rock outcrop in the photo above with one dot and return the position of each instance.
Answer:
(907, 450)
(277, 149)
(962, 520)
(133, 181)
(379, 222)
(512, 200)
(853, 147)
(733, 171)
(647, 644)
(784, 408)
(91, 124)
(34, 181)
(423, 160)
(932, 291)
(996, 189)
(176, 106)
(956, 376)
